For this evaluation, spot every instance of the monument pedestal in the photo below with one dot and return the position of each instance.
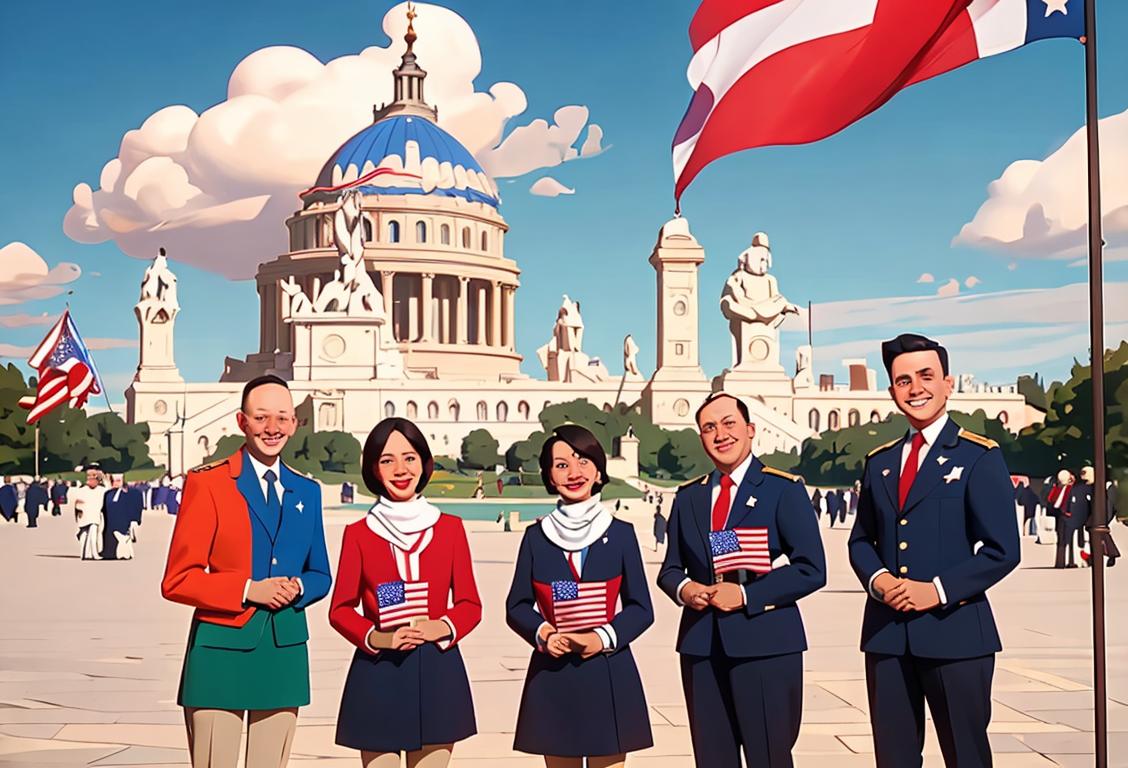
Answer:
(339, 346)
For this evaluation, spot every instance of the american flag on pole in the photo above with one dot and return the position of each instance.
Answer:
(400, 602)
(579, 605)
(740, 549)
(65, 368)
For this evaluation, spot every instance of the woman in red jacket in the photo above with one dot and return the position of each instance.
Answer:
(408, 566)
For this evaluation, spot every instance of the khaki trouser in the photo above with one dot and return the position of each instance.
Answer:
(214, 736)
(430, 756)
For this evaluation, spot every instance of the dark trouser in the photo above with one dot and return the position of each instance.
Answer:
(755, 704)
(958, 692)
(56, 510)
(1070, 540)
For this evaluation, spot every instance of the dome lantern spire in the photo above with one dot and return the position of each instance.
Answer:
(408, 82)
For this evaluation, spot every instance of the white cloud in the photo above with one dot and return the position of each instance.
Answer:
(926, 277)
(1039, 208)
(215, 188)
(950, 288)
(546, 186)
(593, 144)
(94, 344)
(24, 275)
(23, 321)
(972, 281)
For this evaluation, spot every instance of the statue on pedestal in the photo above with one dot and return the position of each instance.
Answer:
(563, 357)
(158, 292)
(630, 358)
(755, 308)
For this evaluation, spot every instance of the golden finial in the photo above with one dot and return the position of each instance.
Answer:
(410, 36)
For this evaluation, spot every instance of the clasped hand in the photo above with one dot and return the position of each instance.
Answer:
(275, 592)
(725, 596)
(411, 637)
(905, 594)
(557, 644)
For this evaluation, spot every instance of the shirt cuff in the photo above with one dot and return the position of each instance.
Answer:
(246, 589)
(677, 592)
(869, 587)
(446, 643)
(301, 587)
(537, 636)
(607, 635)
(940, 591)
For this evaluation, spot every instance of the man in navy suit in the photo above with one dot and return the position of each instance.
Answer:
(935, 529)
(741, 638)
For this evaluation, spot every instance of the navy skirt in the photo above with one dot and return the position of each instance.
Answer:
(573, 707)
(404, 700)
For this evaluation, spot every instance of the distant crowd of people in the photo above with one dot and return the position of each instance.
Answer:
(107, 511)
(836, 503)
(1068, 503)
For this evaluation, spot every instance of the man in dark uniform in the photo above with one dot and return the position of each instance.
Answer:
(741, 638)
(1056, 504)
(58, 497)
(935, 529)
(832, 504)
(121, 508)
(1075, 515)
(660, 526)
(35, 501)
(841, 494)
(9, 501)
(816, 502)
(1025, 497)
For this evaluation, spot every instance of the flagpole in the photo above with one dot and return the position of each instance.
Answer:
(1097, 523)
(37, 448)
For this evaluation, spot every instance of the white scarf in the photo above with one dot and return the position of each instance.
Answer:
(401, 522)
(575, 526)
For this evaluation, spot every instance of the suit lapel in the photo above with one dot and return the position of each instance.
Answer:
(248, 485)
(888, 464)
(740, 505)
(700, 498)
(931, 471)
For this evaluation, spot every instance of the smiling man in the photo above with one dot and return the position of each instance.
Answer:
(248, 553)
(741, 637)
(935, 529)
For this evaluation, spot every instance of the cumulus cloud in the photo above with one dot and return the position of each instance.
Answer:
(215, 188)
(25, 276)
(972, 281)
(950, 288)
(23, 321)
(546, 186)
(1039, 208)
(94, 343)
(926, 277)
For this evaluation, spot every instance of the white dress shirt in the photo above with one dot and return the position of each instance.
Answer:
(931, 434)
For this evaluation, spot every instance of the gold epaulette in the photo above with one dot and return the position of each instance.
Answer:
(703, 479)
(986, 442)
(881, 448)
(780, 473)
(209, 465)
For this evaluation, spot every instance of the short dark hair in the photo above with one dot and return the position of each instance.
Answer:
(740, 406)
(259, 381)
(374, 446)
(911, 342)
(583, 442)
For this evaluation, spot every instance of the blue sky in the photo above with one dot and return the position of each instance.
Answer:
(854, 220)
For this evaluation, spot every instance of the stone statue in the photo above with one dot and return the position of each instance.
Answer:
(630, 358)
(299, 302)
(158, 286)
(563, 357)
(754, 307)
(569, 328)
(804, 373)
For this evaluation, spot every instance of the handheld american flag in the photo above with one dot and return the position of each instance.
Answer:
(400, 602)
(65, 368)
(579, 605)
(740, 548)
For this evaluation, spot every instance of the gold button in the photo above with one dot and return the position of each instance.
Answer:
(904, 569)
(904, 521)
(904, 545)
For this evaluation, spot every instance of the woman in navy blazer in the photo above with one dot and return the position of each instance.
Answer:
(582, 696)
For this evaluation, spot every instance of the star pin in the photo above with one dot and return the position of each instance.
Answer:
(885, 473)
(941, 460)
(751, 502)
(954, 475)
(300, 506)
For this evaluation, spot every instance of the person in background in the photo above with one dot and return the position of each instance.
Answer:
(58, 497)
(35, 501)
(660, 526)
(1056, 504)
(88, 514)
(9, 501)
(1026, 498)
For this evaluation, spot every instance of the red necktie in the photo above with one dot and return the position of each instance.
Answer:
(721, 507)
(909, 471)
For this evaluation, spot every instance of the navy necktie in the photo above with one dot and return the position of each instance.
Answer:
(273, 506)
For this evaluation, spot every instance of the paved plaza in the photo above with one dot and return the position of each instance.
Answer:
(90, 657)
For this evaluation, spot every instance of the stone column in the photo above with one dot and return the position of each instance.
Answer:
(387, 288)
(463, 311)
(495, 314)
(426, 311)
(482, 316)
(510, 324)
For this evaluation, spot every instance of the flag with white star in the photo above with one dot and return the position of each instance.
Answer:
(65, 368)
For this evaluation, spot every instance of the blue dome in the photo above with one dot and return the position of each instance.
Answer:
(405, 155)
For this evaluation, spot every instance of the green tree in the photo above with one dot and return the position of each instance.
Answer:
(524, 455)
(1030, 388)
(335, 451)
(682, 456)
(17, 438)
(479, 450)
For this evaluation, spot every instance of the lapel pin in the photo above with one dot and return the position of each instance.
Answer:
(885, 473)
(941, 460)
(300, 506)
(604, 539)
(751, 501)
(954, 475)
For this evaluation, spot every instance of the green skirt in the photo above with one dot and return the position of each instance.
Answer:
(261, 665)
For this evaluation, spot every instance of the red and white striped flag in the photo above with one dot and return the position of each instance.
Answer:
(768, 72)
(740, 549)
(580, 605)
(65, 369)
(400, 602)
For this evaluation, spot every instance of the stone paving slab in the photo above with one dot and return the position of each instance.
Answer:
(96, 684)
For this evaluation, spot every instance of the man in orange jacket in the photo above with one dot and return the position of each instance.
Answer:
(248, 553)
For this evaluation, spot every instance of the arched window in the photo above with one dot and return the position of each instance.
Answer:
(523, 410)
(853, 418)
(412, 410)
(466, 237)
(389, 409)
(813, 420)
(432, 410)
(444, 234)
(420, 231)
(874, 417)
(502, 412)
(485, 241)
(832, 420)
(393, 231)
(367, 230)
(483, 411)
(453, 410)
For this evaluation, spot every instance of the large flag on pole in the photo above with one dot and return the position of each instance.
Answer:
(65, 368)
(770, 72)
